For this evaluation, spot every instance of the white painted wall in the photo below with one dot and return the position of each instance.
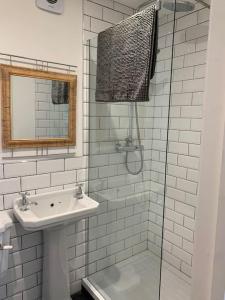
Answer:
(209, 255)
(28, 31)
(23, 107)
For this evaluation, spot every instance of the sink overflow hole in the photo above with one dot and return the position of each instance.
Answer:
(52, 204)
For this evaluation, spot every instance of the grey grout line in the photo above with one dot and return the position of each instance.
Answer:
(104, 6)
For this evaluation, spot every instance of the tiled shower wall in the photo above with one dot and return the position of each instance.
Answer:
(119, 229)
(191, 36)
(124, 198)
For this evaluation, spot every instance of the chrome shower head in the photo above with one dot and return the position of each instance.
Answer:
(179, 6)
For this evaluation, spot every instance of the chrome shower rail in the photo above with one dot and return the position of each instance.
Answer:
(158, 4)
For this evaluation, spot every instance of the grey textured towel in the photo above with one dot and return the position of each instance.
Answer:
(60, 91)
(126, 58)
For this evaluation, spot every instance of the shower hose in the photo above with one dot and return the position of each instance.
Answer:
(140, 148)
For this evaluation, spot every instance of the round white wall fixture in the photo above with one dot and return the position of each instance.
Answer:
(54, 6)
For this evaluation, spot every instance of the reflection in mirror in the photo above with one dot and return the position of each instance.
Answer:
(44, 104)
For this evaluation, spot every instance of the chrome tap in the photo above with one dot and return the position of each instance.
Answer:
(78, 194)
(25, 201)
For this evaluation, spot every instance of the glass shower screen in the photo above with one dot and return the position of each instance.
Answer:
(125, 235)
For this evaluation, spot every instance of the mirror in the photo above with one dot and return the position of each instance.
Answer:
(38, 108)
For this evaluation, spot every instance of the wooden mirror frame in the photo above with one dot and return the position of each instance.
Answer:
(5, 72)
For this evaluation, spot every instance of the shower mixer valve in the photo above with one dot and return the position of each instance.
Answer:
(128, 146)
(129, 141)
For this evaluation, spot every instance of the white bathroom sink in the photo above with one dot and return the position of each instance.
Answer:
(52, 209)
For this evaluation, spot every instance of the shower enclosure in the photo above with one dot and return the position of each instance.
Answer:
(128, 145)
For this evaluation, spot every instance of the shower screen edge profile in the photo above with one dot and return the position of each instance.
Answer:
(127, 173)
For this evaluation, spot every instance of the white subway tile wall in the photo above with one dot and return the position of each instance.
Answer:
(191, 35)
(120, 228)
(126, 223)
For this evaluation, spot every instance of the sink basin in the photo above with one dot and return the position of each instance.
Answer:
(51, 212)
(54, 208)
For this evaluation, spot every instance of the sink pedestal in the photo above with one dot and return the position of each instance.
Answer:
(55, 265)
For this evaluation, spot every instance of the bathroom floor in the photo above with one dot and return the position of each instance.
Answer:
(138, 278)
